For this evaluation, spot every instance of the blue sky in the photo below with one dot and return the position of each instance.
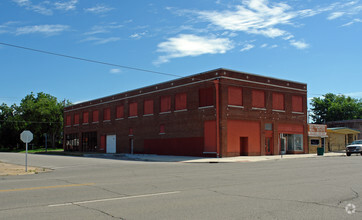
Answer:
(315, 42)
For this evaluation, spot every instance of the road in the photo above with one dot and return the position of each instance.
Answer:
(91, 188)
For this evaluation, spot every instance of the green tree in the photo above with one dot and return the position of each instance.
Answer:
(42, 114)
(9, 128)
(333, 107)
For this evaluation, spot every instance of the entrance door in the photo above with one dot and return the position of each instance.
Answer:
(243, 146)
(283, 145)
(268, 146)
(111, 144)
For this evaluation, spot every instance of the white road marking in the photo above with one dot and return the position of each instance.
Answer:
(113, 199)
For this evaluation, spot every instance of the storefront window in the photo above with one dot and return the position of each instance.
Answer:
(295, 142)
(72, 142)
(314, 141)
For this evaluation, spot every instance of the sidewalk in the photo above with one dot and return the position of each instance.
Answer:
(186, 159)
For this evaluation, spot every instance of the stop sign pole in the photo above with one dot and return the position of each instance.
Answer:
(26, 136)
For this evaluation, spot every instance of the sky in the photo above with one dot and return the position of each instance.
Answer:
(313, 42)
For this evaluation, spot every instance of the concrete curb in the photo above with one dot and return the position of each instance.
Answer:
(185, 159)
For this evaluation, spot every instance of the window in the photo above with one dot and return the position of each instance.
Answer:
(258, 99)
(162, 129)
(278, 101)
(89, 141)
(132, 109)
(297, 103)
(68, 120)
(165, 104)
(95, 116)
(235, 96)
(314, 142)
(148, 107)
(268, 126)
(72, 142)
(130, 132)
(85, 117)
(206, 97)
(180, 101)
(107, 114)
(295, 142)
(76, 119)
(120, 111)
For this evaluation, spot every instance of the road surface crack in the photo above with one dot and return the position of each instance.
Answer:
(356, 196)
(100, 211)
(284, 200)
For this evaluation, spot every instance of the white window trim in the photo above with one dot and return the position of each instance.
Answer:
(181, 110)
(161, 113)
(133, 116)
(298, 113)
(106, 120)
(117, 119)
(236, 106)
(277, 110)
(262, 109)
(148, 115)
(209, 106)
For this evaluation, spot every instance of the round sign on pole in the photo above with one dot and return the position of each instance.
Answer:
(26, 136)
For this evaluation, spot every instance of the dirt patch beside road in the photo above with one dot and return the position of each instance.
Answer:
(7, 169)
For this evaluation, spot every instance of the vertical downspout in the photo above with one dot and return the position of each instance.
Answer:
(216, 82)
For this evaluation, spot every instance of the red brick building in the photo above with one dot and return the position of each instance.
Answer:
(216, 113)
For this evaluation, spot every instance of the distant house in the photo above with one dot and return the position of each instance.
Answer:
(219, 113)
(340, 137)
(354, 124)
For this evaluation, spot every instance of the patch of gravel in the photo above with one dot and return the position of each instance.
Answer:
(7, 169)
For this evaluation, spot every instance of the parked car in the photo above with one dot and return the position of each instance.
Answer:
(354, 148)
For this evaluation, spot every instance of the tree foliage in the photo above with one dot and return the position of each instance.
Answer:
(41, 114)
(333, 107)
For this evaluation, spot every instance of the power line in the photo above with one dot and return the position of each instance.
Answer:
(104, 63)
(89, 60)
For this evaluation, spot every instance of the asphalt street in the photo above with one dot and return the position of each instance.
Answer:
(94, 188)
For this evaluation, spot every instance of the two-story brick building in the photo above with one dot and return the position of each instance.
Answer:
(218, 113)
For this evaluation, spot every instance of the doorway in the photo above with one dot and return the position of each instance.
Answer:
(243, 146)
(111, 144)
(283, 145)
(268, 146)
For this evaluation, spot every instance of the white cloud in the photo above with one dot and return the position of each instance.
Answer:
(356, 20)
(39, 8)
(191, 45)
(98, 9)
(138, 35)
(357, 95)
(115, 71)
(264, 45)
(66, 6)
(247, 47)
(253, 17)
(299, 44)
(335, 15)
(100, 29)
(98, 40)
(42, 29)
